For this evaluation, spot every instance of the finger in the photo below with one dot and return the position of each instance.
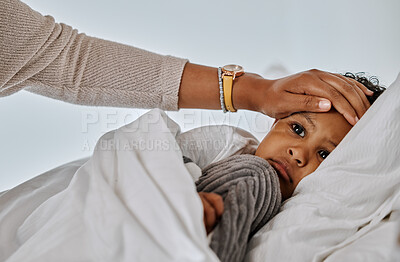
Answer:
(209, 213)
(361, 86)
(353, 81)
(348, 91)
(217, 203)
(318, 87)
(364, 100)
(292, 102)
(359, 90)
(311, 104)
(300, 102)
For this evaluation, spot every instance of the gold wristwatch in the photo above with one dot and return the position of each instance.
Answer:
(229, 73)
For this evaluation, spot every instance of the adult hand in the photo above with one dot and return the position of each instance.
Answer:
(313, 90)
(213, 205)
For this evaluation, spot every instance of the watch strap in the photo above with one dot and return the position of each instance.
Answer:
(228, 86)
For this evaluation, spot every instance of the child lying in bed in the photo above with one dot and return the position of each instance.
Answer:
(295, 146)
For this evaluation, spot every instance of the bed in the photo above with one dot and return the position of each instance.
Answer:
(134, 199)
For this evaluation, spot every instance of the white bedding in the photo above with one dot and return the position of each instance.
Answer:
(337, 212)
(140, 204)
(133, 200)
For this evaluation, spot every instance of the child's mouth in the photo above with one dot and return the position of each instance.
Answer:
(281, 170)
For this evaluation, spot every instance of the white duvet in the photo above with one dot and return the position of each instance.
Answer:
(133, 200)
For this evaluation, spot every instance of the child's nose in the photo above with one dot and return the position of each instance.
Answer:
(298, 155)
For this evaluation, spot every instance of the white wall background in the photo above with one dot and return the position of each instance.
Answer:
(272, 38)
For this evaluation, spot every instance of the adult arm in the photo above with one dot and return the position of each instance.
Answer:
(312, 90)
(54, 60)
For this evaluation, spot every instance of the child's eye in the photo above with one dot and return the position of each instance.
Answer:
(323, 153)
(298, 129)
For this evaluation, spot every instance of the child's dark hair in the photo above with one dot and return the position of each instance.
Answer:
(372, 83)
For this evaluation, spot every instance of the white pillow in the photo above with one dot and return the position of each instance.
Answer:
(208, 144)
(345, 198)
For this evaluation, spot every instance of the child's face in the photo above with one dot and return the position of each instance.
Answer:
(297, 144)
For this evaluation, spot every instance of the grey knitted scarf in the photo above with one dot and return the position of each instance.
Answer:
(250, 188)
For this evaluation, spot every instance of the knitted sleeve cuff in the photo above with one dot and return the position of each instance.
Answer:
(171, 75)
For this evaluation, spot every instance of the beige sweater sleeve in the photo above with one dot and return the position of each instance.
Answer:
(54, 60)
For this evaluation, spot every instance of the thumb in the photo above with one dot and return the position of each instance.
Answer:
(311, 103)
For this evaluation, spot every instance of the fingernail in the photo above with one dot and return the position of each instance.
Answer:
(357, 119)
(350, 119)
(324, 104)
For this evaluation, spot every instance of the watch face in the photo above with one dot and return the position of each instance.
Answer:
(233, 68)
